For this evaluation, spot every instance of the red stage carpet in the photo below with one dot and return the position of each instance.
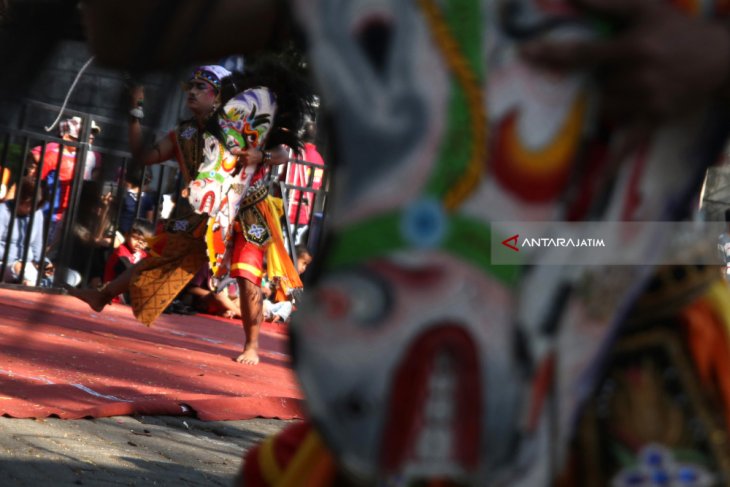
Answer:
(59, 358)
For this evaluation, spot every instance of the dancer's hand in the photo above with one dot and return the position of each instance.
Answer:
(136, 96)
(661, 62)
(279, 155)
(106, 199)
(246, 157)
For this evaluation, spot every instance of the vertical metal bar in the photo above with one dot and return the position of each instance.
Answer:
(269, 180)
(24, 158)
(56, 183)
(284, 200)
(39, 171)
(158, 206)
(68, 219)
(3, 165)
(14, 214)
(300, 194)
(3, 160)
(138, 204)
(312, 194)
(11, 226)
(121, 190)
(322, 202)
(21, 171)
(31, 222)
(8, 236)
(310, 199)
(324, 188)
(36, 186)
(87, 266)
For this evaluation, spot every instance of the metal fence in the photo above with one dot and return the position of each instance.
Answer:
(82, 216)
(305, 202)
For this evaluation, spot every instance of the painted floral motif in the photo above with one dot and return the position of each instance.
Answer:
(658, 467)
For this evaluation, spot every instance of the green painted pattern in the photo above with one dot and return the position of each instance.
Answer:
(454, 152)
(212, 175)
(366, 240)
(471, 240)
(467, 239)
(467, 15)
(464, 19)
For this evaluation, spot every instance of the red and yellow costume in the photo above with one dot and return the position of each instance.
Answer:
(294, 457)
(258, 233)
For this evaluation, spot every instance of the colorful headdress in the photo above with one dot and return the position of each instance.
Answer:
(211, 74)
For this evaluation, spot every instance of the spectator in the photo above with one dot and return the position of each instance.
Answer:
(278, 306)
(304, 258)
(59, 162)
(274, 312)
(26, 221)
(14, 252)
(206, 298)
(133, 250)
(301, 203)
(92, 165)
(7, 188)
(129, 202)
(92, 233)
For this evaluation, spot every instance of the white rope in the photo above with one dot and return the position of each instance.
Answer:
(68, 94)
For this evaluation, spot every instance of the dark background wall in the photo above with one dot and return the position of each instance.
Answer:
(100, 92)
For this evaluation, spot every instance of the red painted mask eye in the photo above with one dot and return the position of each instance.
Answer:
(336, 304)
(360, 299)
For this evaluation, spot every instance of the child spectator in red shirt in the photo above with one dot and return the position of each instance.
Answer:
(129, 253)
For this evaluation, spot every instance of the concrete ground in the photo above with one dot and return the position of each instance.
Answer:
(174, 451)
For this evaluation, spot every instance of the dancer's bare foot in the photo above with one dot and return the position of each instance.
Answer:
(95, 298)
(249, 356)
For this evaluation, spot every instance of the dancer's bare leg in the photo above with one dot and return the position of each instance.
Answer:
(252, 314)
(97, 299)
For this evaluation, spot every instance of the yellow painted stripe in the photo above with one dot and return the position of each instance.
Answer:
(242, 266)
(304, 462)
(267, 461)
(719, 297)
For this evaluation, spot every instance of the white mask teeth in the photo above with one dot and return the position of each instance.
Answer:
(433, 452)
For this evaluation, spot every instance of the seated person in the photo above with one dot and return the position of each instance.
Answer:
(278, 306)
(7, 189)
(133, 250)
(304, 258)
(221, 300)
(29, 200)
(274, 312)
(93, 234)
(132, 194)
(21, 226)
(58, 164)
